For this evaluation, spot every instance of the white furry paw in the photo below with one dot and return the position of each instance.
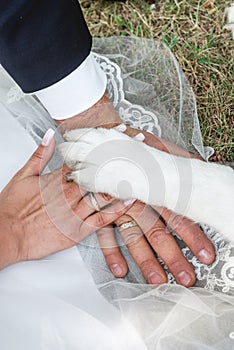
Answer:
(105, 160)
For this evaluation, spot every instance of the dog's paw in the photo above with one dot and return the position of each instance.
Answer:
(94, 136)
(104, 160)
(90, 146)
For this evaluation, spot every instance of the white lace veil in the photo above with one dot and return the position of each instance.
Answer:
(149, 89)
(150, 92)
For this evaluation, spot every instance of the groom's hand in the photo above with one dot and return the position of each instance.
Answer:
(144, 240)
(152, 238)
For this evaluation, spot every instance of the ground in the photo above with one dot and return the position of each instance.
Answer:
(194, 31)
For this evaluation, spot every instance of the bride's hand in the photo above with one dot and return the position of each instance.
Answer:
(40, 215)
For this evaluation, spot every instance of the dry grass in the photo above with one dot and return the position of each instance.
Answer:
(194, 32)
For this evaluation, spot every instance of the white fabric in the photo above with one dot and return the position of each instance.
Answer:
(172, 317)
(76, 92)
(53, 303)
(11, 157)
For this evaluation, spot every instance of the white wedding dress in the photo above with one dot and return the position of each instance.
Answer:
(70, 300)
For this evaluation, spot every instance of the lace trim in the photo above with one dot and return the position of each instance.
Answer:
(218, 276)
(131, 114)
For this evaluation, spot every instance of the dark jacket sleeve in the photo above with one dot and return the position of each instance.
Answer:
(42, 41)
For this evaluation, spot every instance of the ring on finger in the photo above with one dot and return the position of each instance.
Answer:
(94, 201)
(127, 225)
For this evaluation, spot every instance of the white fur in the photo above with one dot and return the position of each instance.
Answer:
(111, 162)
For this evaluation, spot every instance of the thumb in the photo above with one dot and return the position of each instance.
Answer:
(41, 157)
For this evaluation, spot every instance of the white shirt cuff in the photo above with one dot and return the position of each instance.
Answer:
(77, 92)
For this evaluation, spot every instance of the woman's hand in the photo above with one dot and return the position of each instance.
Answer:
(40, 215)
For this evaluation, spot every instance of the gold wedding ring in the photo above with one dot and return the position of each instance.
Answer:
(127, 225)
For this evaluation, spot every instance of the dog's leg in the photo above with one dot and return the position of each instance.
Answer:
(111, 162)
(204, 192)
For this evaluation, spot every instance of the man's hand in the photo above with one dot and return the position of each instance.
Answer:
(153, 236)
(152, 233)
(40, 215)
(150, 238)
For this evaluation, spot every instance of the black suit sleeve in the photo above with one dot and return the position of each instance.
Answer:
(42, 41)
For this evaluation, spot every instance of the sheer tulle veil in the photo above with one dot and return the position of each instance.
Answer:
(150, 92)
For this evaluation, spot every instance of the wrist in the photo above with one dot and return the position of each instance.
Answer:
(102, 114)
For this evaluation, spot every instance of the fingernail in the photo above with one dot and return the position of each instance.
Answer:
(129, 202)
(205, 256)
(121, 127)
(47, 137)
(116, 269)
(184, 278)
(139, 137)
(155, 278)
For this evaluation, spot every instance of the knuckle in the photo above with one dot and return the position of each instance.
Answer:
(173, 263)
(111, 254)
(105, 234)
(78, 216)
(102, 234)
(37, 155)
(158, 236)
(122, 219)
(100, 219)
(109, 248)
(69, 192)
(131, 236)
(176, 222)
(147, 265)
(198, 239)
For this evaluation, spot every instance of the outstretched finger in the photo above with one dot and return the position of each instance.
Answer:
(191, 234)
(164, 244)
(112, 254)
(141, 251)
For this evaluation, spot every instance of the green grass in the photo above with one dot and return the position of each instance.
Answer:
(194, 32)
